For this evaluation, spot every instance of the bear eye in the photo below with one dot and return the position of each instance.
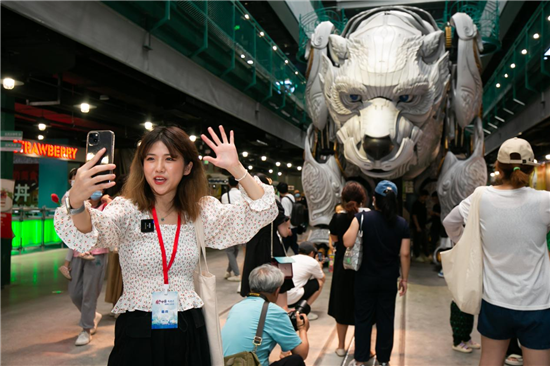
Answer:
(355, 97)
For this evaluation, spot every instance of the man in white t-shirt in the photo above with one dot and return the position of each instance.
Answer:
(232, 197)
(308, 277)
(287, 200)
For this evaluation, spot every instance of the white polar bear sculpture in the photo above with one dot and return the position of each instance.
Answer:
(381, 95)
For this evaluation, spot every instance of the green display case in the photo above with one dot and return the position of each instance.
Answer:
(33, 231)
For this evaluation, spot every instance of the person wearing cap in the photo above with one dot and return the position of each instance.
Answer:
(308, 277)
(386, 249)
(514, 221)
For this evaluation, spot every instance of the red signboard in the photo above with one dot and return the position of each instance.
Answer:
(48, 150)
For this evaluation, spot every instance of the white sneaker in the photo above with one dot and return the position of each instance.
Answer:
(440, 274)
(66, 272)
(83, 338)
(234, 279)
(312, 316)
(227, 275)
(97, 319)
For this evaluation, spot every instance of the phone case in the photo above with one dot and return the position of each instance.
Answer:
(97, 140)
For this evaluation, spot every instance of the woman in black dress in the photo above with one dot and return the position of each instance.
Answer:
(258, 249)
(341, 303)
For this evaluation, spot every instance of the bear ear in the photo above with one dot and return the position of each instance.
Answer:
(433, 45)
(338, 49)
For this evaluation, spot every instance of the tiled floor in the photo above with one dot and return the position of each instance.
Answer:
(40, 324)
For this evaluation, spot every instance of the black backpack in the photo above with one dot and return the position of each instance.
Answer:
(299, 214)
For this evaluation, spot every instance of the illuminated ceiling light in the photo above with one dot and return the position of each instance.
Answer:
(278, 164)
(299, 168)
(506, 76)
(536, 36)
(547, 157)
(535, 161)
(548, 18)
(84, 107)
(279, 174)
(42, 126)
(200, 157)
(250, 167)
(493, 175)
(289, 165)
(243, 55)
(286, 62)
(246, 16)
(492, 125)
(270, 171)
(193, 138)
(500, 119)
(245, 154)
(40, 137)
(295, 72)
(512, 66)
(250, 62)
(8, 83)
(498, 85)
(545, 58)
(487, 131)
(262, 34)
(148, 126)
(524, 51)
(264, 158)
(274, 48)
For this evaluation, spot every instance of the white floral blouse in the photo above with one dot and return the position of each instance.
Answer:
(119, 225)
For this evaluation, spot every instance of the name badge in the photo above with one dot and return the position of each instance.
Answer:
(147, 226)
(165, 310)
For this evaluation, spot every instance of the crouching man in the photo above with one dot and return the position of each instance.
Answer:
(240, 329)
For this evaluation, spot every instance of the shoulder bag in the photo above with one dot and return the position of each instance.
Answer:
(353, 257)
(205, 287)
(248, 358)
(463, 265)
(283, 263)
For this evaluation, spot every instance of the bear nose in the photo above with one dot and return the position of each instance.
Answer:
(377, 147)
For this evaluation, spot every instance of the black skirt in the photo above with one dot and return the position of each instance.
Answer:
(137, 344)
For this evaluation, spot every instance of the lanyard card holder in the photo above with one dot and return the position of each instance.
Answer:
(283, 263)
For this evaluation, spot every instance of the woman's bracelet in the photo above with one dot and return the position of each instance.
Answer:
(241, 178)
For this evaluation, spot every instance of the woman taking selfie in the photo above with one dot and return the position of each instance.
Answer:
(152, 224)
(514, 220)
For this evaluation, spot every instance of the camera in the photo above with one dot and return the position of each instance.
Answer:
(301, 307)
(94, 139)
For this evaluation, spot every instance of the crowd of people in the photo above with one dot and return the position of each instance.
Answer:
(151, 228)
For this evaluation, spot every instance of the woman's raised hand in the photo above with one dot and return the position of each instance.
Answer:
(85, 183)
(225, 150)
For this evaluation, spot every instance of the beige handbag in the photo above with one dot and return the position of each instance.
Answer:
(205, 287)
(463, 265)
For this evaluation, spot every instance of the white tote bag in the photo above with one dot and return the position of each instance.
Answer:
(463, 265)
(205, 287)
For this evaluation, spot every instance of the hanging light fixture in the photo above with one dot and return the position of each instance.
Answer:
(299, 168)
(245, 154)
(42, 126)
(289, 165)
(279, 174)
(536, 36)
(148, 125)
(513, 66)
(193, 138)
(278, 164)
(270, 171)
(85, 107)
(524, 51)
(498, 85)
(274, 48)
(264, 158)
(41, 137)
(250, 167)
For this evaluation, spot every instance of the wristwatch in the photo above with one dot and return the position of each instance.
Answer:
(70, 210)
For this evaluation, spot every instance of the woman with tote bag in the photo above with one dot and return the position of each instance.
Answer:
(157, 223)
(513, 221)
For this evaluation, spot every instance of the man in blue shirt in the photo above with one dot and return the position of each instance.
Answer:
(240, 329)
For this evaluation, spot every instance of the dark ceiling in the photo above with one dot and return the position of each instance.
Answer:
(52, 65)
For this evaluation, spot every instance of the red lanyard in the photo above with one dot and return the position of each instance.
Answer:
(166, 268)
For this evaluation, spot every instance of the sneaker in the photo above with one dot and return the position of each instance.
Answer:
(66, 272)
(462, 347)
(473, 345)
(312, 316)
(87, 257)
(440, 274)
(83, 339)
(227, 275)
(340, 352)
(97, 319)
(239, 288)
(234, 279)
(514, 360)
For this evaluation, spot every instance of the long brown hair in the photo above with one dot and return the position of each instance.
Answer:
(191, 188)
(517, 178)
(353, 195)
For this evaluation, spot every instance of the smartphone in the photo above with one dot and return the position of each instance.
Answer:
(98, 140)
(320, 257)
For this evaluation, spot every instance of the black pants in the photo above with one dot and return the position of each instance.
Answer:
(374, 303)
(293, 360)
(462, 325)
(292, 241)
(420, 243)
(137, 344)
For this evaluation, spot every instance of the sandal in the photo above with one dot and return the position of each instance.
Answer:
(514, 360)
(462, 347)
(66, 272)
